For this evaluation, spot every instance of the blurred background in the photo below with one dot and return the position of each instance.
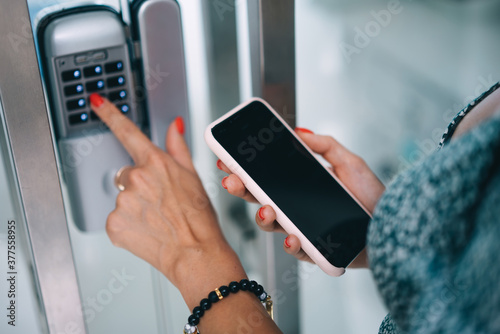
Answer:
(383, 77)
(387, 96)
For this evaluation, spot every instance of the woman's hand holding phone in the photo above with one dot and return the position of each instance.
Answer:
(351, 170)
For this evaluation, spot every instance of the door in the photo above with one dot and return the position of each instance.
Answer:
(72, 280)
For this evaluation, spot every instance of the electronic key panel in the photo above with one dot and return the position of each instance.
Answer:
(139, 65)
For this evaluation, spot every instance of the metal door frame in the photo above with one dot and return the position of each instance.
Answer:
(29, 134)
(266, 54)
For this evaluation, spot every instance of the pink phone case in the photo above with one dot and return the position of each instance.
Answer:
(262, 197)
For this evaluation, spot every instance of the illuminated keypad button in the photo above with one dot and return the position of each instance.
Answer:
(124, 108)
(78, 118)
(71, 75)
(116, 81)
(117, 96)
(93, 86)
(116, 66)
(92, 71)
(76, 104)
(73, 90)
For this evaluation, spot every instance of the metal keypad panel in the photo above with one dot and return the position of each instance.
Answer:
(99, 71)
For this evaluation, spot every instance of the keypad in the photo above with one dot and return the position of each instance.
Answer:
(73, 90)
(71, 75)
(76, 104)
(78, 118)
(92, 71)
(94, 86)
(100, 71)
(124, 108)
(114, 67)
(117, 96)
(116, 81)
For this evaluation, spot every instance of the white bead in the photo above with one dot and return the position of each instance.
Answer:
(263, 296)
(188, 329)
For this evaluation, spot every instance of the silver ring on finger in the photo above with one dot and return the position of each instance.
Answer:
(118, 175)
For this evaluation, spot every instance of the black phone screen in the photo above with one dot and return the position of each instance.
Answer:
(295, 181)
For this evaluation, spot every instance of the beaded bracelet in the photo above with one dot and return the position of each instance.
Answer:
(219, 294)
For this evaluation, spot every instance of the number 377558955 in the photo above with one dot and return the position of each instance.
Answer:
(11, 244)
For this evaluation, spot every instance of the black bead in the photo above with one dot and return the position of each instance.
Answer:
(212, 296)
(198, 311)
(224, 291)
(253, 286)
(244, 284)
(258, 290)
(234, 287)
(193, 320)
(205, 304)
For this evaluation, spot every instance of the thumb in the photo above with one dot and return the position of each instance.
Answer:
(333, 152)
(176, 144)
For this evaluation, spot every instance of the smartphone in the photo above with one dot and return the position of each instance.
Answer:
(281, 171)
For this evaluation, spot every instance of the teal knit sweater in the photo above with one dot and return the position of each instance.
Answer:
(434, 240)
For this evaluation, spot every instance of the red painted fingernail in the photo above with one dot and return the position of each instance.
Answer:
(224, 181)
(304, 130)
(218, 164)
(179, 122)
(261, 215)
(96, 100)
(287, 243)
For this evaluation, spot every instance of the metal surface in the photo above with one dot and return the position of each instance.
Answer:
(270, 35)
(245, 59)
(33, 154)
(162, 58)
(266, 43)
(277, 42)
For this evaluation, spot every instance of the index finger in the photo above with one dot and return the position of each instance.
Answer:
(133, 140)
(334, 152)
